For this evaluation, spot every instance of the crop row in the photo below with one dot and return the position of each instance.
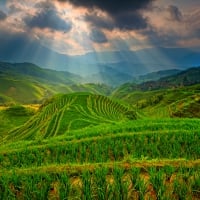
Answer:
(104, 183)
(103, 149)
(137, 126)
(68, 112)
(37, 122)
(103, 106)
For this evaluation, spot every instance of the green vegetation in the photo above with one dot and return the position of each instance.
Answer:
(117, 147)
(128, 160)
(63, 113)
(26, 83)
(101, 183)
(20, 89)
(13, 116)
(143, 145)
(176, 102)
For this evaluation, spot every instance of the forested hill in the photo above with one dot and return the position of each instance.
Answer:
(184, 78)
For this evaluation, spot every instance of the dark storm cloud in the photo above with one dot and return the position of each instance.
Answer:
(125, 14)
(123, 21)
(175, 13)
(131, 20)
(2, 15)
(48, 18)
(157, 39)
(98, 36)
(111, 6)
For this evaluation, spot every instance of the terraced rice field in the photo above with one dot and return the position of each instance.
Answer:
(104, 161)
(117, 159)
(63, 113)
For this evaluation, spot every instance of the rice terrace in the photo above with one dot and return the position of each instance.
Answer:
(86, 146)
(99, 100)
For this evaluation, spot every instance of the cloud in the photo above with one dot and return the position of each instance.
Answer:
(48, 18)
(99, 21)
(45, 5)
(161, 38)
(173, 28)
(131, 21)
(125, 14)
(174, 13)
(14, 8)
(123, 21)
(2, 15)
(98, 36)
(111, 6)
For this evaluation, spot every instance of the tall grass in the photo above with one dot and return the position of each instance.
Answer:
(118, 147)
(100, 183)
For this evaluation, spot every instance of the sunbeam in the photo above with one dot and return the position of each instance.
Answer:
(86, 38)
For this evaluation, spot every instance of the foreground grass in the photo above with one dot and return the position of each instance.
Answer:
(103, 182)
(142, 159)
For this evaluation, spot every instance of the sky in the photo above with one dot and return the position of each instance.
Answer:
(75, 27)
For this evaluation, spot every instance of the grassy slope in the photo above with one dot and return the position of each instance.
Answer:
(14, 116)
(144, 158)
(67, 112)
(28, 83)
(178, 102)
(27, 90)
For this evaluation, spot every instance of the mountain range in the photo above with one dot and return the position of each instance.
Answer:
(184, 78)
(28, 83)
(133, 63)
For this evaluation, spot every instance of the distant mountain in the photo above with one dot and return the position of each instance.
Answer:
(187, 77)
(133, 63)
(109, 76)
(184, 78)
(31, 70)
(153, 76)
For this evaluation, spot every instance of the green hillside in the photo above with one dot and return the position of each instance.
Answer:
(184, 78)
(177, 102)
(17, 89)
(37, 73)
(13, 116)
(153, 76)
(27, 83)
(66, 112)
